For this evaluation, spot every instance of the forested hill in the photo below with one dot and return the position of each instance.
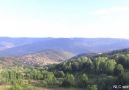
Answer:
(102, 71)
(85, 73)
(22, 46)
(102, 54)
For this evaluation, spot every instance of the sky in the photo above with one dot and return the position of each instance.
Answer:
(64, 18)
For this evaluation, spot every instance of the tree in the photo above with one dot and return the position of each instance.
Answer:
(27, 73)
(20, 82)
(110, 65)
(69, 80)
(88, 65)
(123, 60)
(60, 74)
(48, 76)
(123, 79)
(98, 61)
(65, 83)
(75, 66)
(44, 83)
(55, 81)
(108, 82)
(118, 70)
(102, 67)
(11, 76)
(84, 80)
(93, 87)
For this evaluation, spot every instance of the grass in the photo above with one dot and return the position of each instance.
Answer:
(6, 87)
(38, 88)
(57, 88)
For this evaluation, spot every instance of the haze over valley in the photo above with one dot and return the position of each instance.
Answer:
(46, 51)
(64, 45)
(22, 46)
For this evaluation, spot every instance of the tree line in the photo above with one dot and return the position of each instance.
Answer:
(99, 73)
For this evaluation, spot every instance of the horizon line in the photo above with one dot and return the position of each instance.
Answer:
(61, 37)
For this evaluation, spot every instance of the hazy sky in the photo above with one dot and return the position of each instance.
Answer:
(64, 18)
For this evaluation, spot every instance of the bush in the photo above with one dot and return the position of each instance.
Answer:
(16, 87)
(66, 83)
(44, 83)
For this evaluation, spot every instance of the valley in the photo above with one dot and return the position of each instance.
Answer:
(64, 44)
(65, 64)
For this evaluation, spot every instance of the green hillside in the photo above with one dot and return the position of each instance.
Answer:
(103, 72)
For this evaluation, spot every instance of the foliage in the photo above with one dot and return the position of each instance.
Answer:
(96, 73)
(69, 80)
(118, 69)
(93, 87)
(16, 87)
(84, 80)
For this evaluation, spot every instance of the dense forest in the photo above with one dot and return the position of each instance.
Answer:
(102, 72)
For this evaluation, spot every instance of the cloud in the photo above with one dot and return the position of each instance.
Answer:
(120, 9)
(112, 21)
(114, 15)
(112, 10)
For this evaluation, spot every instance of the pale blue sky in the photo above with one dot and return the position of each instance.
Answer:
(64, 18)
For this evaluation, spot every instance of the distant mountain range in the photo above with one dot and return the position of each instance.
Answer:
(22, 46)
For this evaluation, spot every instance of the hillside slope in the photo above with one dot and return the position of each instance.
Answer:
(103, 70)
(42, 58)
(104, 54)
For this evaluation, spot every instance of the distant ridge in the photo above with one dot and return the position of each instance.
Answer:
(22, 46)
(104, 54)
